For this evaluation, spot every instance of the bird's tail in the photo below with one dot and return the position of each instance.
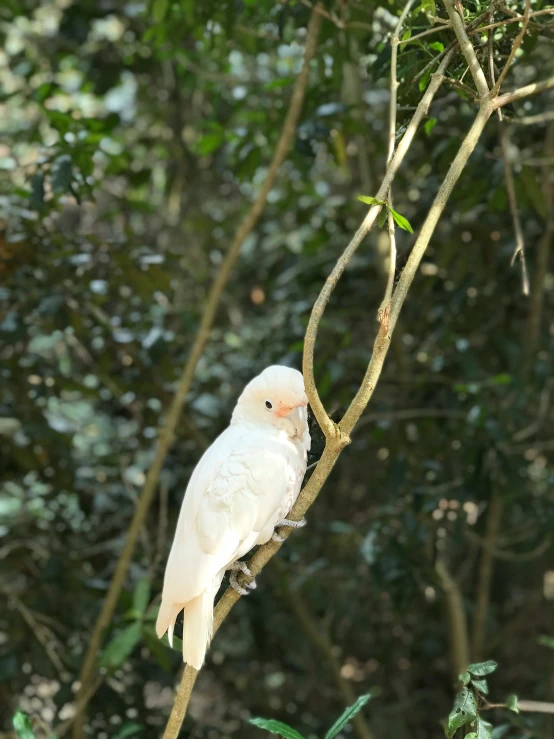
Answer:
(198, 627)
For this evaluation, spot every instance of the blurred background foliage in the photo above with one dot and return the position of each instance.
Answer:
(135, 136)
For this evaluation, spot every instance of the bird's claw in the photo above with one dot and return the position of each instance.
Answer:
(292, 524)
(236, 567)
(240, 566)
(275, 537)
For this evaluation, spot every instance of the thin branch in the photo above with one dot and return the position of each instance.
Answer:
(394, 84)
(502, 554)
(327, 426)
(456, 619)
(543, 254)
(408, 273)
(467, 49)
(523, 92)
(485, 578)
(531, 120)
(519, 250)
(428, 32)
(515, 47)
(166, 434)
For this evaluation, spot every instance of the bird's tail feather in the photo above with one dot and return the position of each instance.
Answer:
(167, 616)
(198, 627)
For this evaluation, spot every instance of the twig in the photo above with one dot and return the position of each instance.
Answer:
(394, 84)
(504, 137)
(519, 250)
(523, 92)
(543, 254)
(324, 421)
(525, 706)
(515, 19)
(530, 120)
(456, 618)
(485, 578)
(543, 547)
(515, 47)
(467, 49)
(428, 32)
(167, 431)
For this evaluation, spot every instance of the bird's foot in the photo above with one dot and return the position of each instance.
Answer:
(292, 524)
(287, 522)
(235, 583)
(240, 566)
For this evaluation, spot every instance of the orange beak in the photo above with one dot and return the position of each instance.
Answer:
(284, 410)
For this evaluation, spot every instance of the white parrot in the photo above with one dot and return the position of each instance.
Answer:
(241, 489)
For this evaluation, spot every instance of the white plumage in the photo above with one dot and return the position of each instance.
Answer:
(241, 489)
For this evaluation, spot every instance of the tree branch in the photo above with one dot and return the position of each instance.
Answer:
(485, 578)
(543, 254)
(394, 84)
(167, 431)
(327, 426)
(467, 49)
(523, 92)
(456, 617)
(515, 47)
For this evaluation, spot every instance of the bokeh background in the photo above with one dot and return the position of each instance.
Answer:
(135, 137)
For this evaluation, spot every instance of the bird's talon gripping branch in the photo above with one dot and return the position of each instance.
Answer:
(275, 537)
(292, 524)
(235, 584)
(240, 566)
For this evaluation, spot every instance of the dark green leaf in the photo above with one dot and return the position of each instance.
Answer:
(463, 713)
(512, 703)
(400, 220)
(428, 7)
(60, 174)
(347, 716)
(382, 217)
(464, 678)
(141, 596)
(423, 82)
(429, 125)
(22, 726)
(36, 199)
(479, 669)
(502, 379)
(481, 686)
(484, 730)
(276, 727)
(370, 201)
(121, 646)
(209, 143)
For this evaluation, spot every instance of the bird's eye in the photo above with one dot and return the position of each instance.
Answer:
(268, 405)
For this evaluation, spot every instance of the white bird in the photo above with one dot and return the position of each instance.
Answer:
(241, 489)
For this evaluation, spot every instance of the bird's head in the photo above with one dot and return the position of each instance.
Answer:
(276, 397)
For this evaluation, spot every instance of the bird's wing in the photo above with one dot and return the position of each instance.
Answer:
(236, 488)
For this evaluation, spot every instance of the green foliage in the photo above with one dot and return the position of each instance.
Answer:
(347, 716)
(399, 219)
(22, 726)
(121, 646)
(276, 727)
(463, 713)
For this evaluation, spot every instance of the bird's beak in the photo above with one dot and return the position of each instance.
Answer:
(298, 416)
